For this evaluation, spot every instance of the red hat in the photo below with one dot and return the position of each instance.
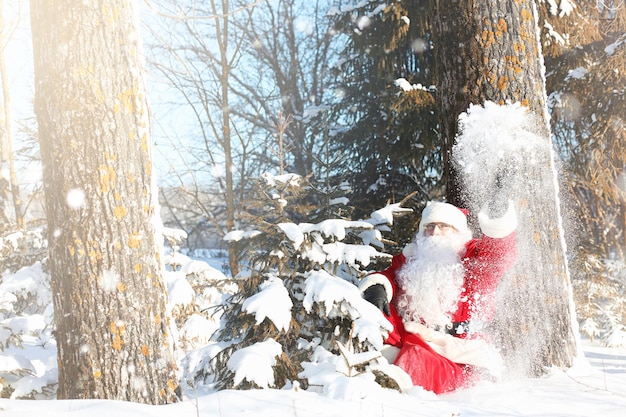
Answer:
(436, 212)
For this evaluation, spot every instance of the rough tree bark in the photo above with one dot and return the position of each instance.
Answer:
(109, 296)
(489, 50)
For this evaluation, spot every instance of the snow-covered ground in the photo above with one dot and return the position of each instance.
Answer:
(594, 386)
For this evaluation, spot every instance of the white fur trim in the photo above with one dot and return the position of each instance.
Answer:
(374, 279)
(436, 212)
(416, 327)
(410, 250)
(501, 227)
(475, 352)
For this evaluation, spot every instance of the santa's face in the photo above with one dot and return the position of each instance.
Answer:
(431, 281)
(439, 229)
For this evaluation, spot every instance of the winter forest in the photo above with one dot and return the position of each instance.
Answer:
(191, 192)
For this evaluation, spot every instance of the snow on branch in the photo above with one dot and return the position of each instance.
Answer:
(353, 359)
(338, 252)
(255, 363)
(338, 298)
(336, 230)
(562, 8)
(404, 85)
(279, 180)
(272, 302)
(386, 214)
(237, 235)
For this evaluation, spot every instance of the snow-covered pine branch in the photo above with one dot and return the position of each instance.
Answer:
(296, 286)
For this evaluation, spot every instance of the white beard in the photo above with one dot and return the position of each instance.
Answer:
(431, 282)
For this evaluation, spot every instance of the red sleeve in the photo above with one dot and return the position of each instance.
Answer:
(492, 258)
(487, 260)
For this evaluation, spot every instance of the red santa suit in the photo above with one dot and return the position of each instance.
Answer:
(444, 360)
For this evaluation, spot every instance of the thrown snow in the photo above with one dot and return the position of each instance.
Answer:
(493, 131)
(493, 138)
(110, 280)
(254, 363)
(272, 302)
(75, 198)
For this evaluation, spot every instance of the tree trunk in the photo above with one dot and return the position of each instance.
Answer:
(109, 296)
(222, 25)
(9, 185)
(489, 50)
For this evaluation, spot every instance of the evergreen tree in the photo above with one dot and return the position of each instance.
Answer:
(388, 104)
(309, 271)
(585, 51)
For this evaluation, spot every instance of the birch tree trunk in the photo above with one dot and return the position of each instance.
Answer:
(102, 208)
(489, 50)
(7, 159)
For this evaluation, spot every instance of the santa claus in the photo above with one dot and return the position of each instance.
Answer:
(439, 293)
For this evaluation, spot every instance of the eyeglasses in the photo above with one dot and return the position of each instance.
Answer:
(442, 226)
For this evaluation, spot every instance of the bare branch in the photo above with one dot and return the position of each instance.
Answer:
(204, 17)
